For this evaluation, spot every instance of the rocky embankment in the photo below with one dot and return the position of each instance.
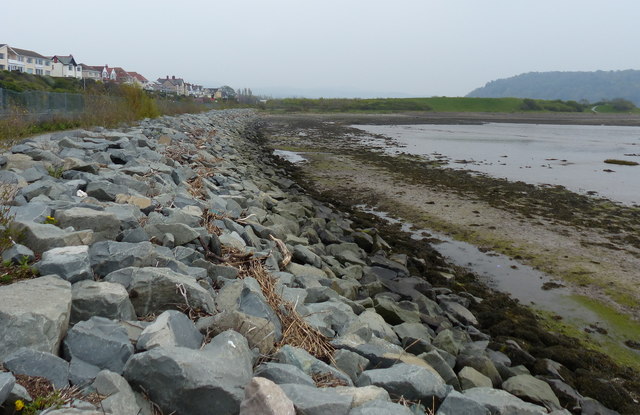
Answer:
(181, 271)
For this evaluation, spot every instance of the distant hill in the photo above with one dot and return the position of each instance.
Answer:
(590, 86)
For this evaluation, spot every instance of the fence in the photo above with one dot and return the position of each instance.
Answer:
(40, 104)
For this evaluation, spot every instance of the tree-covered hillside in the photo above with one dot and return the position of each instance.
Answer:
(577, 86)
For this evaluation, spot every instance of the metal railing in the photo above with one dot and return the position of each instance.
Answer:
(40, 104)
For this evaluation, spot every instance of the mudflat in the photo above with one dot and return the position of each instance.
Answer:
(590, 245)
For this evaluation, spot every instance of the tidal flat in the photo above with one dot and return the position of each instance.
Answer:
(588, 246)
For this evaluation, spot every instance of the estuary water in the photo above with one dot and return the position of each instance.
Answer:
(567, 155)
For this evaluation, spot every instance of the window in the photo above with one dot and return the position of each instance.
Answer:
(47, 73)
(1, 55)
(29, 60)
(29, 70)
(20, 58)
(39, 71)
(71, 67)
(1, 67)
(47, 63)
(39, 61)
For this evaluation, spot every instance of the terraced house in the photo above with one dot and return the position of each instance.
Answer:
(65, 66)
(14, 59)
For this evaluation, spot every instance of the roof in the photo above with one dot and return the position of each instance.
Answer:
(91, 68)
(65, 60)
(26, 52)
(138, 77)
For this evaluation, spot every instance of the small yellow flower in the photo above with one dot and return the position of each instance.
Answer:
(19, 405)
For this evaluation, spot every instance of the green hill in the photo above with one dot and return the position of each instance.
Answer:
(568, 86)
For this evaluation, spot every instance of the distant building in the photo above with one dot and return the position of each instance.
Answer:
(172, 85)
(91, 72)
(65, 66)
(22, 60)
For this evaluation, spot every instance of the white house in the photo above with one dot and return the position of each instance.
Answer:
(65, 66)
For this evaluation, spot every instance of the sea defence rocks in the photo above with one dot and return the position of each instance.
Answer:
(185, 267)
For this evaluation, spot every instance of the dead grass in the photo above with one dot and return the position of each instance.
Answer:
(328, 380)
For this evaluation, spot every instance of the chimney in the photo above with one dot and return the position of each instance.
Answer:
(173, 77)
(167, 76)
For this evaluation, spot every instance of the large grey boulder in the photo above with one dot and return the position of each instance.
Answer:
(533, 390)
(350, 363)
(471, 378)
(309, 400)
(104, 225)
(171, 328)
(281, 373)
(309, 364)
(41, 237)
(35, 314)
(17, 254)
(412, 382)
(259, 332)
(69, 262)
(105, 190)
(109, 256)
(154, 290)
(189, 382)
(262, 396)
(459, 312)
(502, 402)
(120, 398)
(456, 403)
(182, 233)
(100, 298)
(99, 341)
(31, 362)
(7, 381)
(397, 313)
(364, 394)
(381, 408)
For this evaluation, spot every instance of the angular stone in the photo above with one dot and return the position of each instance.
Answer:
(262, 396)
(456, 403)
(531, 389)
(502, 402)
(7, 381)
(109, 256)
(451, 341)
(373, 322)
(173, 376)
(482, 364)
(378, 407)
(397, 313)
(105, 191)
(436, 361)
(31, 362)
(412, 382)
(120, 399)
(363, 395)
(304, 255)
(154, 290)
(350, 363)
(259, 332)
(35, 314)
(140, 202)
(171, 329)
(18, 254)
(102, 299)
(471, 378)
(313, 401)
(41, 237)
(309, 364)
(182, 233)
(281, 373)
(459, 312)
(105, 225)
(70, 263)
(99, 341)
(82, 373)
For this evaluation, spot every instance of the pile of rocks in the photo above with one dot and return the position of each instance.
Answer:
(139, 300)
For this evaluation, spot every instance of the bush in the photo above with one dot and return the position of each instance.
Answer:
(620, 104)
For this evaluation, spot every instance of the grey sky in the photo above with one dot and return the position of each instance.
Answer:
(361, 47)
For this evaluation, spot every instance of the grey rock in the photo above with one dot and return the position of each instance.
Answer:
(7, 381)
(412, 382)
(313, 401)
(171, 328)
(304, 255)
(309, 364)
(259, 332)
(436, 361)
(471, 378)
(590, 406)
(153, 290)
(99, 341)
(105, 191)
(173, 376)
(381, 408)
(254, 303)
(105, 225)
(262, 396)
(363, 395)
(120, 399)
(39, 323)
(282, 373)
(532, 389)
(71, 263)
(459, 312)
(100, 298)
(502, 402)
(31, 212)
(350, 363)
(31, 362)
(452, 341)
(397, 313)
(82, 373)
(374, 322)
(457, 404)
(482, 364)
(181, 233)
(41, 237)
(109, 256)
(18, 254)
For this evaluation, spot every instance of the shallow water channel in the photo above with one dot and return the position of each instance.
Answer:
(568, 155)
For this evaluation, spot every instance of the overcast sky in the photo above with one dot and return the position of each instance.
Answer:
(309, 47)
